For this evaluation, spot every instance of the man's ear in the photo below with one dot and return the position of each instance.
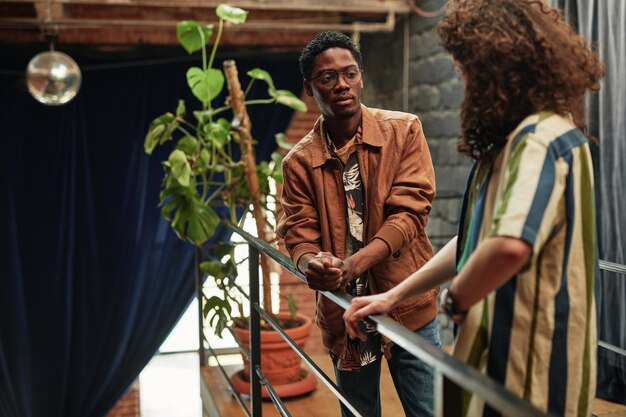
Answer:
(307, 87)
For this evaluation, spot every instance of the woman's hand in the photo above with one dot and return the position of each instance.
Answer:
(365, 306)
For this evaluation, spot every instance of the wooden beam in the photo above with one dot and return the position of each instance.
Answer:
(349, 6)
(259, 26)
(164, 36)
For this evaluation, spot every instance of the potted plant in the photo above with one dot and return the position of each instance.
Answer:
(201, 174)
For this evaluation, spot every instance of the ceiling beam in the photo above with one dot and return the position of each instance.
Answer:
(348, 6)
(260, 26)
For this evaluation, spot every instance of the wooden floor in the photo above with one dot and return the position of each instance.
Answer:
(319, 403)
(218, 401)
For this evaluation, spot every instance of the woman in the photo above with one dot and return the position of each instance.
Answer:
(522, 268)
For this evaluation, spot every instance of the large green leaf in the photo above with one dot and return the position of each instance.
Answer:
(259, 74)
(277, 173)
(223, 249)
(212, 268)
(205, 157)
(202, 226)
(205, 85)
(263, 173)
(190, 33)
(288, 99)
(188, 145)
(159, 131)
(193, 220)
(180, 109)
(281, 141)
(181, 170)
(218, 312)
(231, 14)
(218, 132)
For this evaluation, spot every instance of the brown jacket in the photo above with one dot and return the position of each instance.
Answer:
(399, 183)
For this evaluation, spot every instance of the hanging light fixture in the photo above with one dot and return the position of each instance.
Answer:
(53, 78)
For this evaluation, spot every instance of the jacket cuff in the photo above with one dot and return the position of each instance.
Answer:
(302, 249)
(392, 236)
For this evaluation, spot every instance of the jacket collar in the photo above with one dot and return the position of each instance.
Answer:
(320, 153)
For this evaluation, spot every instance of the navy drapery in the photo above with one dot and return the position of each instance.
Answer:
(92, 279)
(603, 25)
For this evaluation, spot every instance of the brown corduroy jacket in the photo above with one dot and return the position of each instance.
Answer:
(399, 183)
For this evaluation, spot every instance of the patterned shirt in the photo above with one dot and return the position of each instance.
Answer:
(356, 352)
(536, 334)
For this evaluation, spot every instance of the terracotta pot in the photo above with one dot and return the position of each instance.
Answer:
(279, 362)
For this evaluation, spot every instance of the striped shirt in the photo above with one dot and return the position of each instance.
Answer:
(537, 333)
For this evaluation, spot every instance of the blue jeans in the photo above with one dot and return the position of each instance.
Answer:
(412, 378)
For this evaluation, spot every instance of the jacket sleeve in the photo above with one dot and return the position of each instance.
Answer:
(412, 191)
(299, 225)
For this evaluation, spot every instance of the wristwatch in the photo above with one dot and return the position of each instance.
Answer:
(448, 307)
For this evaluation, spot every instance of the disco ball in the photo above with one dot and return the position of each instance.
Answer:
(53, 78)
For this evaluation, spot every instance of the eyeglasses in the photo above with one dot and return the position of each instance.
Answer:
(329, 78)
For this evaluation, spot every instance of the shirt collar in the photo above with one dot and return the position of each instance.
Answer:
(371, 135)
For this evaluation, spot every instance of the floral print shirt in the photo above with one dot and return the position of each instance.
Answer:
(356, 353)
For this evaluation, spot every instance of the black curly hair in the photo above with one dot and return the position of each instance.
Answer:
(322, 42)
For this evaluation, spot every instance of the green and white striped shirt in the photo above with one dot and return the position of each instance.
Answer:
(537, 333)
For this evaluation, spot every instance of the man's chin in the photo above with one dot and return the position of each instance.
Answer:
(345, 114)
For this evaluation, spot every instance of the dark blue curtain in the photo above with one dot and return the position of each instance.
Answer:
(603, 25)
(92, 279)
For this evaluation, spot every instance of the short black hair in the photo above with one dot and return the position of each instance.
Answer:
(322, 42)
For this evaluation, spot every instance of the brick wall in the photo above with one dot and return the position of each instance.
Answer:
(128, 405)
(435, 92)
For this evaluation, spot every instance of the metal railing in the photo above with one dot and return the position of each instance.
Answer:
(450, 373)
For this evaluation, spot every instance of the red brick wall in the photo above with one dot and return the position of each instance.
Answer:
(128, 405)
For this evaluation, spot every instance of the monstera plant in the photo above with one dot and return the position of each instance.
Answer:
(201, 174)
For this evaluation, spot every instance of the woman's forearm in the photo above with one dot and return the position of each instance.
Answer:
(438, 270)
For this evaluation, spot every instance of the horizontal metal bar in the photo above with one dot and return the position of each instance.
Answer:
(244, 350)
(278, 403)
(457, 371)
(316, 369)
(613, 267)
(228, 381)
(267, 249)
(612, 348)
(339, 297)
(175, 352)
(495, 394)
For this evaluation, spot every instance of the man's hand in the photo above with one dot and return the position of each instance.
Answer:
(323, 271)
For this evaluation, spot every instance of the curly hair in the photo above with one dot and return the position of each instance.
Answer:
(517, 57)
(322, 42)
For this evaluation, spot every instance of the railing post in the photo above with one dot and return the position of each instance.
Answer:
(255, 333)
(201, 350)
(450, 390)
(438, 393)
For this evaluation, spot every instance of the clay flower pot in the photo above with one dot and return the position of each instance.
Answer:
(280, 364)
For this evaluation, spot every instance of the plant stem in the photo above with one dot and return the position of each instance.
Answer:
(248, 87)
(220, 110)
(214, 194)
(217, 41)
(182, 129)
(261, 101)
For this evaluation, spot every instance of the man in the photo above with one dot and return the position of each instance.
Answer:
(356, 197)
(523, 265)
